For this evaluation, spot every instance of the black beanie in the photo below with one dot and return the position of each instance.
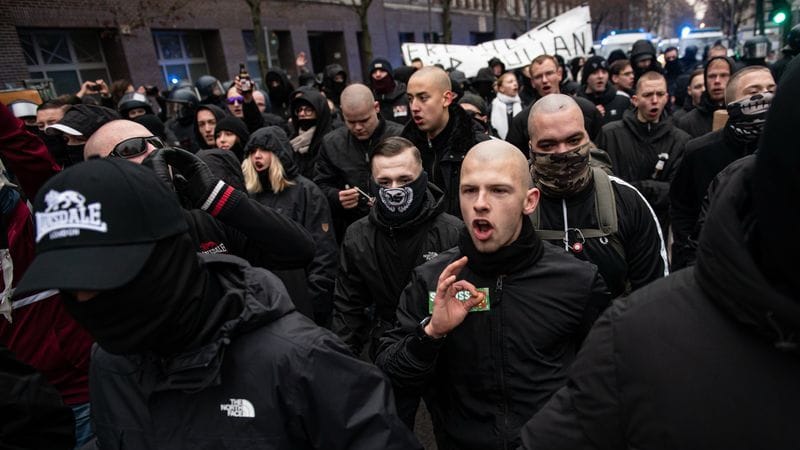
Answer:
(591, 66)
(776, 186)
(235, 125)
(381, 63)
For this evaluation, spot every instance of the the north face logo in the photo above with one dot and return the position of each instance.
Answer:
(238, 407)
(430, 255)
(66, 214)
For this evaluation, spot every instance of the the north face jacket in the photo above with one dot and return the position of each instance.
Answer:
(442, 156)
(634, 148)
(270, 379)
(375, 264)
(497, 368)
(344, 161)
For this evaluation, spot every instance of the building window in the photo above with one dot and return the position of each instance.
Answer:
(68, 57)
(407, 37)
(273, 50)
(432, 38)
(180, 56)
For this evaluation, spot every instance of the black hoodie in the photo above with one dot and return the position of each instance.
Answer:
(305, 162)
(279, 95)
(219, 114)
(615, 105)
(634, 148)
(304, 203)
(699, 121)
(719, 340)
(375, 263)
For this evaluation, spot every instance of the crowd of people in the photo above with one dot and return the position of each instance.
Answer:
(232, 265)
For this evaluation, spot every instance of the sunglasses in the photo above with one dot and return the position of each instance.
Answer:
(133, 147)
(238, 99)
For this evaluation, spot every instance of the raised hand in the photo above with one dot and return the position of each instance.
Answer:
(448, 310)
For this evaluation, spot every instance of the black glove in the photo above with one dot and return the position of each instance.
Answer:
(194, 180)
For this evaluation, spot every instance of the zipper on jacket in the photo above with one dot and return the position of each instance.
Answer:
(566, 226)
(499, 292)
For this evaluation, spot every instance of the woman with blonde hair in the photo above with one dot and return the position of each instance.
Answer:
(271, 177)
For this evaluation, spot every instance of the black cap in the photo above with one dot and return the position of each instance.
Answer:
(83, 120)
(592, 65)
(380, 63)
(97, 224)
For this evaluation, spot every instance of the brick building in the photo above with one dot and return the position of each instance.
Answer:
(162, 41)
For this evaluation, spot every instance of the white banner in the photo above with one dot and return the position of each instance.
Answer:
(568, 35)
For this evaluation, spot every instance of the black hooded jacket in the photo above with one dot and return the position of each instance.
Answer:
(279, 96)
(518, 129)
(706, 358)
(305, 204)
(634, 148)
(375, 264)
(332, 88)
(218, 113)
(700, 120)
(703, 159)
(615, 105)
(267, 378)
(305, 162)
(344, 160)
(442, 156)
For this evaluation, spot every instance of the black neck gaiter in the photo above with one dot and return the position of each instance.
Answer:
(397, 206)
(523, 252)
(164, 310)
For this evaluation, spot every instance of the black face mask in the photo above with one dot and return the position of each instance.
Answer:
(401, 204)
(161, 310)
(56, 145)
(747, 117)
(305, 124)
(73, 155)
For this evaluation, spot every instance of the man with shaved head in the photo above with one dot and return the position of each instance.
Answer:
(440, 129)
(593, 216)
(487, 330)
(342, 168)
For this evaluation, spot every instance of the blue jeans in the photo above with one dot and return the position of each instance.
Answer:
(83, 424)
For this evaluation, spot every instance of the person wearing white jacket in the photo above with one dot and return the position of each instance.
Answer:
(507, 103)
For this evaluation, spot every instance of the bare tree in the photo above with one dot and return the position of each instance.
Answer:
(258, 37)
(728, 14)
(447, 22)
(133, 14)
(361, 8)
(496, 5)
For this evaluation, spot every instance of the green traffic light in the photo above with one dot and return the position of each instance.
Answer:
(779, 17)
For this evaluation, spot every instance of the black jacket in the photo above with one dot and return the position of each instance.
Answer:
(645, 255)
(394, 105)
(375, 264)
(269, 378)
(614, 104)
(34, 415)
(344, 160)
(442, 156)
(699, 120)
(305, 204)
(279, 95)
(306, 161)
(697, 360)
(634, 148)
(703, 159)
(518, 129)
(496, 369)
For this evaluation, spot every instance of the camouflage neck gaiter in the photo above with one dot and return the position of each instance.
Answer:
(561, 174)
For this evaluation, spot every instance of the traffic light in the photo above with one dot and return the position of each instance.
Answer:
(781, 11)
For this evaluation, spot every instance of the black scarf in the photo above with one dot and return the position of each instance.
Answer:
(523, 252)
(168, 308)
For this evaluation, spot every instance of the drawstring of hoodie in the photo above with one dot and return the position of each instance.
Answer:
(784, 343)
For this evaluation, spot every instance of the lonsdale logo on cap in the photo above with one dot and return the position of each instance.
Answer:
(66, 215)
